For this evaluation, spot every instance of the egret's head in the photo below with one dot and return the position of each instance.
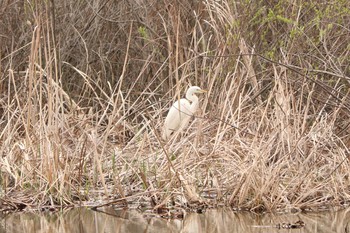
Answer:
(195, 90)
(192, 91)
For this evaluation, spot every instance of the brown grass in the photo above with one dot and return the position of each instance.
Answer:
(85, 88)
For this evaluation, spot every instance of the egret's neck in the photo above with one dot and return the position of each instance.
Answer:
(194, 102)
(192, 98)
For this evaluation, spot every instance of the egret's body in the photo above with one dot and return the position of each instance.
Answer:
(181, 111)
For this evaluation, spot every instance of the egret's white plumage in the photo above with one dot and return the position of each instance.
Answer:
(181, 111)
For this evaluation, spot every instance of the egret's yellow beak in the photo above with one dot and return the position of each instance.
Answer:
(202, 91)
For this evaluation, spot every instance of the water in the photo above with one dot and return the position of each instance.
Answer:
(221, 220)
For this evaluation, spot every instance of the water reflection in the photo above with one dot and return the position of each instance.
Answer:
(222, 220)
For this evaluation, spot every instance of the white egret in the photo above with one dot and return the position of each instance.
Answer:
(180, 113)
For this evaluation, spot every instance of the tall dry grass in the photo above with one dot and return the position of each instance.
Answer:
(85, 87)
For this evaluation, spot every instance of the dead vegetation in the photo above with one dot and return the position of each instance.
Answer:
(85, 87)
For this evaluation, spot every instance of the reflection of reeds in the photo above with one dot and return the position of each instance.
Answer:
(82, 104)
(218, 220)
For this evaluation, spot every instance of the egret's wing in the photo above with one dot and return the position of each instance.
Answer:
(172, 121)
(178, 117)
(185, 113)
(183, 109)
